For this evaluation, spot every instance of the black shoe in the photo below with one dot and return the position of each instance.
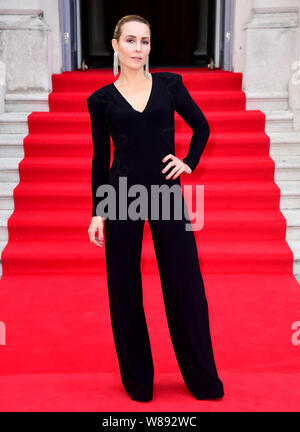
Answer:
(209, 397)
(141, 400)
(146, 397)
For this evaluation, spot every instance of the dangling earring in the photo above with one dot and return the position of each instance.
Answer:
(147, 68)
(116, 58)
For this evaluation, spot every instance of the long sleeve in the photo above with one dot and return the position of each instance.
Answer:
(101, 146)
(192, 114)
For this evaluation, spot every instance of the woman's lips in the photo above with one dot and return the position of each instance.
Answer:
(136, 58)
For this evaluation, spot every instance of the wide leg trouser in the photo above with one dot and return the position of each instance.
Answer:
(184, 299)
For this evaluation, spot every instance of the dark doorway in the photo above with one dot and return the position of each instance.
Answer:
(182, 30)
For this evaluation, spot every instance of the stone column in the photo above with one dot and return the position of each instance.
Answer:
(25, 49)
(2, 87)
(294, 94)
(271, 49)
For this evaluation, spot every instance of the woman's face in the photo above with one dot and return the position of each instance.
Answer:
(134, 45)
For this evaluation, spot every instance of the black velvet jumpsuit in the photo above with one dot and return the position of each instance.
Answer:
(141, 140)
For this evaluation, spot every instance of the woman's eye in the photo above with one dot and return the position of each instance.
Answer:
(131, 40)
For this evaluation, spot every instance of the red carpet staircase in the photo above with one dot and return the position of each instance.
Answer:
(59, 352)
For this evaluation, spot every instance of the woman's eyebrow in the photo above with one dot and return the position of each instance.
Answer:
(144, 37)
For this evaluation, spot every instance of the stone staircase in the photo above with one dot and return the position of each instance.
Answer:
(13, 129)
(284, 150)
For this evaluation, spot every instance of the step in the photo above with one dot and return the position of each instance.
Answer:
(3, 243)
(55, 145)
(226, 100)
(259, 168)
(227, 224)
(6, 195)
(236, 121)
(234, 167)
(82, 257)
(92, 80)
(61, 195)
(219, 144)
(26, 102)
(290, 194)
(52, 226)
(279, 121)
(14, 123)
(292, 217)
(9, 169)
(11, 145)
(267, 100)
(223, 224)
(295, 246)
(284, 143)
(77, 123)
(287, 167)
(4, 216)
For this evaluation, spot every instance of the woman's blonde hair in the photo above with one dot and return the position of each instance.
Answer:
(126, 19)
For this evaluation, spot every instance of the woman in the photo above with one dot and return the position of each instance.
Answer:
(137, 110)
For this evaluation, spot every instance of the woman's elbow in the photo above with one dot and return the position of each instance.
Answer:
(205, 128)
(203, 123)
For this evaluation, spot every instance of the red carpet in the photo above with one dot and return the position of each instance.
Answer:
(59, 353)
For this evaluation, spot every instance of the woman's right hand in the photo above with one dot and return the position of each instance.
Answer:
(96, 225)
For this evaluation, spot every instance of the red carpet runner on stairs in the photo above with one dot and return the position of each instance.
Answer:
(59, 353)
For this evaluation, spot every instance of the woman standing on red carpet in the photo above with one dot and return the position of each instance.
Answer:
(137, 110)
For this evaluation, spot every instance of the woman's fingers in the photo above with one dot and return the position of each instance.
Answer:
(181, 170)
(171, 163)
(179, 167)
(98, 240)
(95, 227)
(174, 170)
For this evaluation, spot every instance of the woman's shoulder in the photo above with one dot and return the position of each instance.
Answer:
(99, 95)
(168, 76)
(171, 81)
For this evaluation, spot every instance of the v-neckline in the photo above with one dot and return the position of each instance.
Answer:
(148, 101)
